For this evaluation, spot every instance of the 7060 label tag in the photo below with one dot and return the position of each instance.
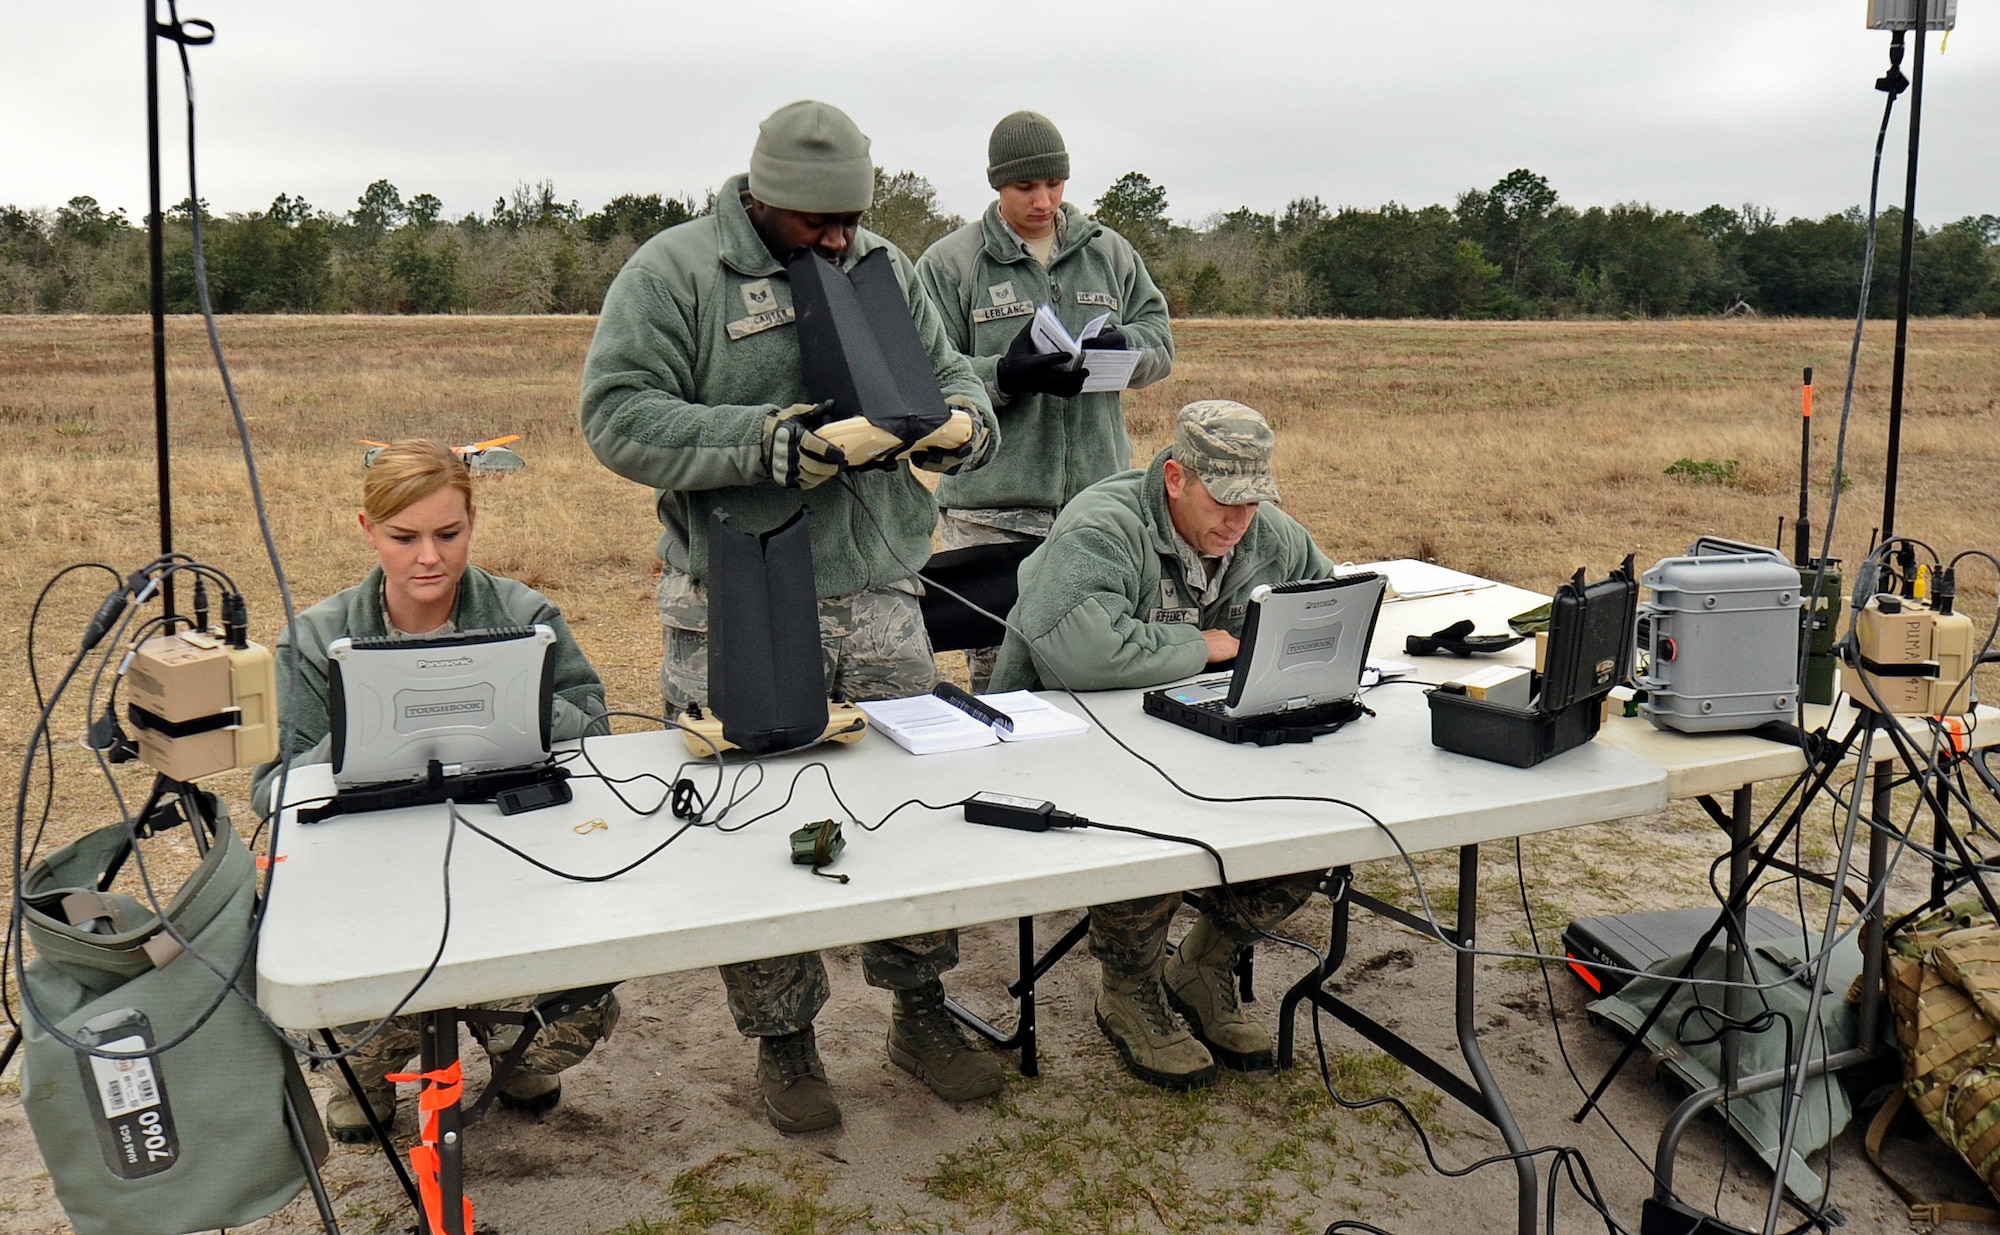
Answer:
(135, 1125)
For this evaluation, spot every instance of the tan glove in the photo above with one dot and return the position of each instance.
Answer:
(861, 441)
(963, 440)
(797, 457)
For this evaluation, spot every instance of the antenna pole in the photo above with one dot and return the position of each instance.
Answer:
(1802, 531)
(159, 295)
(1919, 25)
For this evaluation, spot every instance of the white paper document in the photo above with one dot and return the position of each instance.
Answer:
(1110, 368)
(1033, 716)
(926, 725)
(1410, 579)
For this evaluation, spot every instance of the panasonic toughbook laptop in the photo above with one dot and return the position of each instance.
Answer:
(475, 702)
(1298, 671)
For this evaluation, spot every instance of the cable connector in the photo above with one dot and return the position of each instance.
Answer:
(235, 620)
(113, 608)
(1893, 83)
(1945, 591)
(1004, 810)
(108, 738)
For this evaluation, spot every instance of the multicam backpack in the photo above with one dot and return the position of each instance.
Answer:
(1943, 980)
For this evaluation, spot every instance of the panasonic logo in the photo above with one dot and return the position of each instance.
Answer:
(1305, 646)
(459, 707)
(459, 662)
(1320, 604)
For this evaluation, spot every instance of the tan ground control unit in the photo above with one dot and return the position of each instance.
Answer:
(1894, 633)
(702, 731)
(199, 706)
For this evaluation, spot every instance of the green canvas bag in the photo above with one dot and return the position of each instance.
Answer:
(194, 1138)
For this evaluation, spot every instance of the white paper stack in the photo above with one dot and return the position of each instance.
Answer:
(1034, 717)
(1110, 368)
(927, 725)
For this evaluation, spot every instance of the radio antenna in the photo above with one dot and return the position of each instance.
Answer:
(1802, 530)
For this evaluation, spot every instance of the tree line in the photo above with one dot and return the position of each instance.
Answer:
(1512, 251)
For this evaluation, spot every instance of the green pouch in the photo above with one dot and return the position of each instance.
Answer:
(817, 845)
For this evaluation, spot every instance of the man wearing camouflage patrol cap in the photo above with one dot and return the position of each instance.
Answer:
(986, 279)
(693, 385)
(1145, 578)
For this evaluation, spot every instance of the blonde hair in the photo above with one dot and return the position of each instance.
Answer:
(406, 472)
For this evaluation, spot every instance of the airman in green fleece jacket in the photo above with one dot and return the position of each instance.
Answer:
(1145, 578)
(417, 515)
(987, 278)
(484, 602)
(693, 385)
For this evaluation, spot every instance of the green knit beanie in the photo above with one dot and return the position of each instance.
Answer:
(1025, 146)
(811, 158)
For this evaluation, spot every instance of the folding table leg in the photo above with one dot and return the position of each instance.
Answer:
(1496, 1111)
(1481, 1095)
(440, 1054)
(1023, 991)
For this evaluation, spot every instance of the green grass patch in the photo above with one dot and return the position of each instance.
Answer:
(1704, 471)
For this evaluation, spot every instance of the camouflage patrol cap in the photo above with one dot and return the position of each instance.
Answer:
(1229, 446)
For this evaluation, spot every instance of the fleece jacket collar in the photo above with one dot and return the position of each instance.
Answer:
(1074, 231)
(478, 602)
(743, 250)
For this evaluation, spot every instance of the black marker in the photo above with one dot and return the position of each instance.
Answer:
(973, 706)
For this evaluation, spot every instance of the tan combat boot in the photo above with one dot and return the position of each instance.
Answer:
(796, 1095)
(1201, 986)
(927, 1043)
(372, 1062)
(1154, 1044)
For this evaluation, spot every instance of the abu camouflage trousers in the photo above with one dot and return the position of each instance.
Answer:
(560, 1044)
(962, 529)
(1130, 937)
(873, 646)
(782, 994)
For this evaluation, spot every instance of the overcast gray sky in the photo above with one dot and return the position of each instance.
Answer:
(1679, 103)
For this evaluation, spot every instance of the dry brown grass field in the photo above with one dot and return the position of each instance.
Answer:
(1519, 451)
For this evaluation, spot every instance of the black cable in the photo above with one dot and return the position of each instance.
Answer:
(48, 746)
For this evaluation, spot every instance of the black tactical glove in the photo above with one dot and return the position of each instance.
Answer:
(1023, 370)
(1110, 339)
(1458, 640)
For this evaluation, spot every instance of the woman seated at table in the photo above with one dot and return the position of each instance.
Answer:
(417, 514)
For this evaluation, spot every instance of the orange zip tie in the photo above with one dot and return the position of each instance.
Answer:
(441, 1088)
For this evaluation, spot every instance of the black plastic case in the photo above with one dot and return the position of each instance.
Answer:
(1590, 651)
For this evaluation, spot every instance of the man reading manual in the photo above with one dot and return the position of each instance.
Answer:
(1145, 578)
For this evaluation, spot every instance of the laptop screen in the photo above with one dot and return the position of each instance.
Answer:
(477, 701)
(1304, 644)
